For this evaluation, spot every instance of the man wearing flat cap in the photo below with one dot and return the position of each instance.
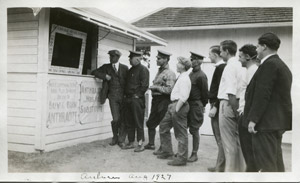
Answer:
(197, 101)
(176, 117)
(161, 89)
(136, 86)
(114, 77)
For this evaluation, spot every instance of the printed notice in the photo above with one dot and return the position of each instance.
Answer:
(90, 108)
(63, 103)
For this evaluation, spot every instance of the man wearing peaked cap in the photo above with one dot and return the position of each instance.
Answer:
(176, 117)
(197, 56)
(137, 84)
(135, 54)
(114, 76)
(161, 89)
(197, 100)
(163, 54)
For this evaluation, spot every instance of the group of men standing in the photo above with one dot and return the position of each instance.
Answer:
(250, 108)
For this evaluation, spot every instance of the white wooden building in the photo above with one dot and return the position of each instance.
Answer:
(197, 29)
(52, 99)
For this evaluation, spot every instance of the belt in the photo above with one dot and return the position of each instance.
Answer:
(174, 101)
(131, 96)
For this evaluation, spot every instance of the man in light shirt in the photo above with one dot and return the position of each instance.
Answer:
(247, 57)
(229, 94)
(176, 117)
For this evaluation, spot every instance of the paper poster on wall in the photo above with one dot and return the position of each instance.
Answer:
(63, 103)
(90, 108)
(66, 50)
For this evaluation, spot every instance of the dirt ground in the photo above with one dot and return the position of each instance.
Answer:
(98, 156)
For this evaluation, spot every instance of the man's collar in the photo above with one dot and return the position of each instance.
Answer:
(198, 68)
(161, 68)
(266, 57)
(219, 63)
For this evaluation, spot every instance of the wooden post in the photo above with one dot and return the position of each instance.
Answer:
(42, 77)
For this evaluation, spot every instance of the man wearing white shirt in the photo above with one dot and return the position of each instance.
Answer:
(229, 94)
(247, 57)
(176, 117)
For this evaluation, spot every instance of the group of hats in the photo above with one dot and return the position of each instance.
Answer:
(161, 53)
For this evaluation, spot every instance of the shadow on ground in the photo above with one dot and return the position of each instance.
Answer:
(98, 156)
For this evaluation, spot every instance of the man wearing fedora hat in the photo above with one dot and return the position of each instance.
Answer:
(197, 100)
(114, 76)
(161, 89)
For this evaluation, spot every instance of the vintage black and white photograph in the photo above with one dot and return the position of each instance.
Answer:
(143, 91)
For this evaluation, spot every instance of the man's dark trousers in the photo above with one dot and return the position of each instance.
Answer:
(246, 145)
(159, 108)
(195, 120)
(267, 151)
(117, 124)
(220, 164)
(134, 111)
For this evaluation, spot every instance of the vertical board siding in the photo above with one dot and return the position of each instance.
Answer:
(22, 51)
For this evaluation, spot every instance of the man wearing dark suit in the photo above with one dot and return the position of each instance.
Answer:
(137, 84)
(268, 107)
(114, 76)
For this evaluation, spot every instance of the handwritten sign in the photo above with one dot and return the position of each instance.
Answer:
(90, 109)
(63, 103)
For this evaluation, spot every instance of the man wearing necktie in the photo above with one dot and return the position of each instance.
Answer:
(268, 106)
(114, 76)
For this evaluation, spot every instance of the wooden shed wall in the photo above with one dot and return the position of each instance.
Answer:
(80, 133)
(22, 54)
(27, 85)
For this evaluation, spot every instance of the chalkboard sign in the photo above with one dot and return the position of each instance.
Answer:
(66, 50)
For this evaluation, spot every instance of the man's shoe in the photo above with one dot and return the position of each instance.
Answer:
(177, 162)
(129, 146)
(150, 146)
(114, 141)
(121, 145)
(158, 152)
(211, 169)
(193, 158)
(139, 148)
(165, 155)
